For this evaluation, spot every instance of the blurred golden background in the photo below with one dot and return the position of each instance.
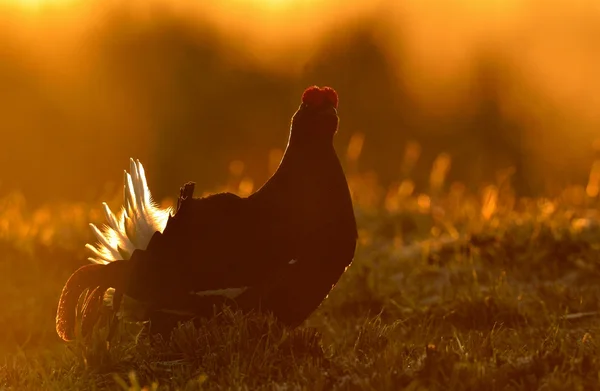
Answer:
(202, 91)
(449, 109)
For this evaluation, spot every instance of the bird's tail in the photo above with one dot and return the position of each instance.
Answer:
(133, 228)
(139, 219)
(97, 278)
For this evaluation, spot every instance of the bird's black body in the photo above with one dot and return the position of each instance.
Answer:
(280, 250)
(286, 245)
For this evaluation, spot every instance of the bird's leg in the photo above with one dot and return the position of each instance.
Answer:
(112, 327)
(186, 308)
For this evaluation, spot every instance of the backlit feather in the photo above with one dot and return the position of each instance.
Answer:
(133, 228)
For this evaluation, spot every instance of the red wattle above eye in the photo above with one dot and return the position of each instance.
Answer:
(315, 96)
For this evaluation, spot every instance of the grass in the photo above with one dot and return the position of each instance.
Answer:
(448, 291)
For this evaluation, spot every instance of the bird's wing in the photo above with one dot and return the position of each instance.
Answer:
(213, 246)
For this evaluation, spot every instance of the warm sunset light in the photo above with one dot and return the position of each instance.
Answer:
(299, 195)
(273, 4)
(36, 5)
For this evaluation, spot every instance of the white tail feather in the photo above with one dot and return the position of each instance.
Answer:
(133, 228)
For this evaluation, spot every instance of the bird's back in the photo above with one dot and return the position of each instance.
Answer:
(219, 243)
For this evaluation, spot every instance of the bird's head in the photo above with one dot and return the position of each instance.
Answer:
(317, 116)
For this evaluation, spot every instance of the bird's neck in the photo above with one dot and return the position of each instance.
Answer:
(318, 139)
(302, 165)
(306, 157)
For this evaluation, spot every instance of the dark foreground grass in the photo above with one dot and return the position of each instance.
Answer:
(507, 301)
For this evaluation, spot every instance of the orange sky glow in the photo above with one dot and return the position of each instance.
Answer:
(553, 46)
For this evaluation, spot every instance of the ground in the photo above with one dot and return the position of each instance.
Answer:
(450, 291)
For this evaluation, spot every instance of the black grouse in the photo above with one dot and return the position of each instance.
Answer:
(279, 250)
